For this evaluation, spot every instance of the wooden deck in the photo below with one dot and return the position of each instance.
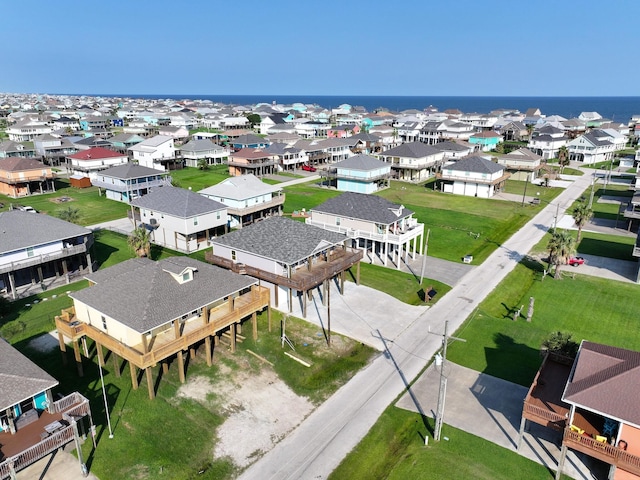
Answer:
(543, 404)
(302, 279)
(166, 344)
(605, 452)
(32, 442)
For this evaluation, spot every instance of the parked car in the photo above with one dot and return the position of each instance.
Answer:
(308, 168)
(575, 261)
(27, 209)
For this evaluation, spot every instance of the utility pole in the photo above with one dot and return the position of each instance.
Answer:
(424, 257)
(442, 392)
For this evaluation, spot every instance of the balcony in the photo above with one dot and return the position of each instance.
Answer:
(130, 187)
(32, 442)
(165, 344)
(274, 202)
(334, 173)
(266, 163)
(613, 455)
(303, 278)
(400, 237)
(543, 404)
(49, 257)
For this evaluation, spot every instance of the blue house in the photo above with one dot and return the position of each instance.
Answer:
(361, 174)
(248, 141)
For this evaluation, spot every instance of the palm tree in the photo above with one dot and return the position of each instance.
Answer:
(139, 241)
(69, 214)
(561, 246)
(581, 215)
(563, 157)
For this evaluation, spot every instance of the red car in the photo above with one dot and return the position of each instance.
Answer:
(575, 261)
(308, 168)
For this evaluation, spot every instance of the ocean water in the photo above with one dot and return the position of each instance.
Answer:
(619, 109)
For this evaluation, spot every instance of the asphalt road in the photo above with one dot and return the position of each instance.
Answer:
(320, 443)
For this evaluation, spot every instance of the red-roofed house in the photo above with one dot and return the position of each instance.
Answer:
(598, 410)
(20, 177)
(88, 163)
(252, 160)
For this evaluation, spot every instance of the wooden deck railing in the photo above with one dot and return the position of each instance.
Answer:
(300, 280)
(543, 416)
(220, 317)
(602, 451)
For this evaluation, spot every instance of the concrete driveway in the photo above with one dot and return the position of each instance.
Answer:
(490, 408)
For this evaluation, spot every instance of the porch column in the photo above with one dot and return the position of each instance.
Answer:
(386, 247)
(100, 353)
(358, 274)
(415, 247)
(523, 426)
(254, 324)
(181, 366)
(304, 304)
(63, 348)
(12, 284)
(78, 357)
(89, 263)
(342, 274)
(152, 393)
(563, 455)
(176, 329)
(116, 365)
(232, 331)
(134, 375)
(276, 294)
(207, 350)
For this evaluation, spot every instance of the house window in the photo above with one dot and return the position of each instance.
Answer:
(233, 255)
(337, 220)
(30, 252)
(218, 215)
(186, 276)
(26, 405)
(195, 220)
(104, 323)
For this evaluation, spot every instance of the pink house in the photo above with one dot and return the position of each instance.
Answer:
(343, 131)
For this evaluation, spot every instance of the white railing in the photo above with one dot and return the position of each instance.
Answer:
(402, 236)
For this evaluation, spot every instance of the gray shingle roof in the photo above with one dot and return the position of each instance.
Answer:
(362, 162)
(132, 170)
(200, 146)
(20, 378)
(141, 294)
(19, 230)
(475, 164)
(281, 239)
(411, 150)
(364, 207)
(177, 202)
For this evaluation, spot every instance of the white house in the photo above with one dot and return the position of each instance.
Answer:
(373, 223)
(522, 163)
(592, 147)
(154, 152)
(37, 250)
(125, 182)
(473, 177)
(196, 150)
(247, 198)
(180, 219)
(87, 163)
(414, 161)
(547, 141)
(26, 130)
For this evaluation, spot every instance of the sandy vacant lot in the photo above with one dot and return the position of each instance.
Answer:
(260, 411)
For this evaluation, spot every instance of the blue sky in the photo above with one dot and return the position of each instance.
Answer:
(282, 47)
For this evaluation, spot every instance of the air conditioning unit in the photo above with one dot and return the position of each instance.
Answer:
(153, 222)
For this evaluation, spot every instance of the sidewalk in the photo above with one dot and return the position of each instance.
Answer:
(491, 408)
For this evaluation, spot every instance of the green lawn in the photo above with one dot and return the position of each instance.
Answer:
(307, 196)
(455, 221)
(199, 179)
(402, 286)
(166, 437)
(591, 243)
(92, 207)
(394, 449)
(509, 349)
